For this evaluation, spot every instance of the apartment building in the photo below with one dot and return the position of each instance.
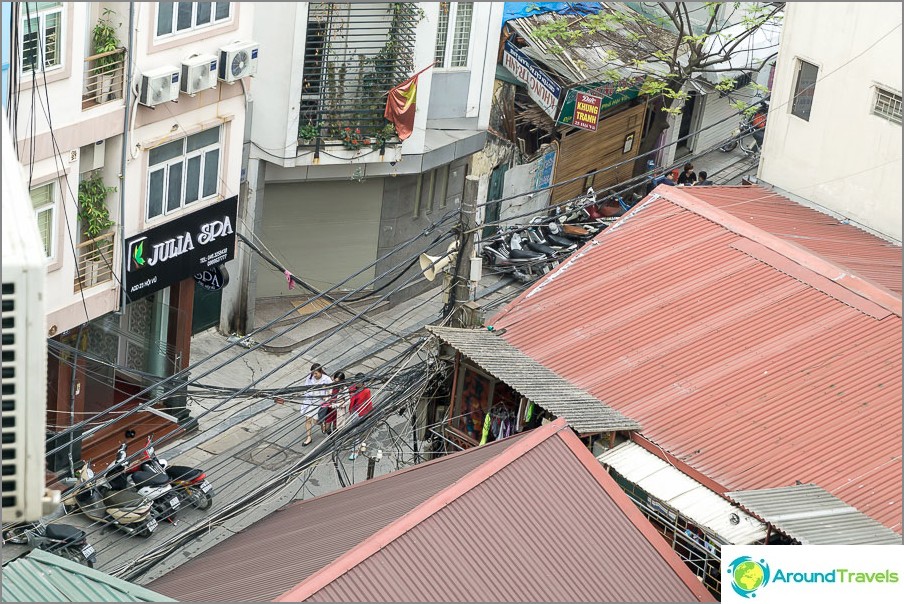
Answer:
(135, 110)
(833, 139)
(331, 187)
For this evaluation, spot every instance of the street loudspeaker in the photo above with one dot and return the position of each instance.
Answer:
(433, 265)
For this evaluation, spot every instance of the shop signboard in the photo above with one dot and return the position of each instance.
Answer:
(213, 279)
(609, 93)
(541, 88)
(586, 111)
(180, 248)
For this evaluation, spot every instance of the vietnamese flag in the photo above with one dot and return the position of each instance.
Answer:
(400, 105)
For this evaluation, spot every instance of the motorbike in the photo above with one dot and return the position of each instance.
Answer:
(748, 135)
(190, 484)
(125, 510)
(152, 485)
(60, 539)
(519, 263)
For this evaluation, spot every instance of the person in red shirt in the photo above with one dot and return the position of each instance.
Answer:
(360, 403)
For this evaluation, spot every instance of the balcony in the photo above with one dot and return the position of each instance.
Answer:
(95, 261)
(104, 76)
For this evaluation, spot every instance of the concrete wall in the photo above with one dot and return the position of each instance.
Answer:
(844, 158)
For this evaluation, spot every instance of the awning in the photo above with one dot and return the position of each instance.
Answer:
(703, 506)
(583, 412)
(813, 516)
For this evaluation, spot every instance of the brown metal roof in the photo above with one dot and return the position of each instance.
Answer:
(515, 529)
(583, 411)
(746, 355)
(275, 554)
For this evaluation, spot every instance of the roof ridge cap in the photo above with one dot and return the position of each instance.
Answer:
(428, 508)
(803, 256)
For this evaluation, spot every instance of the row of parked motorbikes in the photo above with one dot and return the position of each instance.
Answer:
(134, 497)
(527, 251)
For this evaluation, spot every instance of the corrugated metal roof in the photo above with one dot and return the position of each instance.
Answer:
(684, 494)
(513, 530)
(43, 577)
(583, 411)
(813, 516)
(745, 356)
(281, 550)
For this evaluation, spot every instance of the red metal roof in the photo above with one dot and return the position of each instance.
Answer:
(514, 529)
(741, 353)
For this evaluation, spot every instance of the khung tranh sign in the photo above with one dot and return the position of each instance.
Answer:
(609, 93)
(540, 87)
(183, 247)
(586, 111)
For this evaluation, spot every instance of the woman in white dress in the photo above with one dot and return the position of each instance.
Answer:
(340, 400)
(312, 399)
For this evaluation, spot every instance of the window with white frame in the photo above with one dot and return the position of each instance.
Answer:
(887, 104)
(43, 199)
(455, 25)
(183, 171)
(181, 17)
(40, 37)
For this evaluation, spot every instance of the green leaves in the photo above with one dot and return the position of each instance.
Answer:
(92, 207)
(138, 254)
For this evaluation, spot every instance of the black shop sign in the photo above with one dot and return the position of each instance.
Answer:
(174, 251)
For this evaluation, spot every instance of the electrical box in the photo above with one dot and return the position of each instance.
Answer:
(198, 73)
(238, 60)
(159, 86)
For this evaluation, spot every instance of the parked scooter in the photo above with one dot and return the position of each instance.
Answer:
(749, 133)
(190, 484)
(519, 263)
(60, 539)
(150, 484)
(126, 510)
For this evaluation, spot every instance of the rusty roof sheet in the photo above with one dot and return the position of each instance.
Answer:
(813, 516)
(511, 530)
(583, 411)
(747, 356)
(281, 550)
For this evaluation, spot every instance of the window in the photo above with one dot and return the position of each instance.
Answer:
(183, 171)
(888, 105)
(803, 90)
(40, 39)
(44, 201)
(455, 24)
(179, 17)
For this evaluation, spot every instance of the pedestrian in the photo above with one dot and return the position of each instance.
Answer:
(339, 403)
(663, 179)
(687, 177)
(703, 180)
(360, 403)
(312, 399)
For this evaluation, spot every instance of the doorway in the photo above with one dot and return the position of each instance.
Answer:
(688, 115)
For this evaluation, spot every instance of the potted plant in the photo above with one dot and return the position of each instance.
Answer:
(105, 41)
(95, 220)
(308, 132)
(383, 135)
(353, 139)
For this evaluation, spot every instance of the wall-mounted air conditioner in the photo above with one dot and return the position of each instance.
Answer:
(24, 347)
(159, 86)
(198, 73)
(238, 60)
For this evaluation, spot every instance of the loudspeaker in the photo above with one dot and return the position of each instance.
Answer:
(433, 265)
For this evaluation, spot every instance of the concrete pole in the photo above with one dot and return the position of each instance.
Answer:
(462, 287)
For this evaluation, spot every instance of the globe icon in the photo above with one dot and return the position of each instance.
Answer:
(748, 575)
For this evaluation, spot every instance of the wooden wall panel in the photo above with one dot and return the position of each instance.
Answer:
(584, 151)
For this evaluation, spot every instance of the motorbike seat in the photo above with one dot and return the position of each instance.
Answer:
(64, 532)
(182, 473)
(144, 478)
(541, 249)
(525, 255)
(124, 499)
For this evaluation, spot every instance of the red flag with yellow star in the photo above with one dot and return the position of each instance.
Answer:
(400, 107)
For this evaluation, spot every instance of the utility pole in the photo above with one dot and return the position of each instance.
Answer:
(462, 286)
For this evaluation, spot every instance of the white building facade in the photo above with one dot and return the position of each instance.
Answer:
(329, 208)
(833, 138)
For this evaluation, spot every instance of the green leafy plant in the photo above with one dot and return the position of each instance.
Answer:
(383, 135)
(92, 197)
(309, 131)
(105, 40)
(353, 139)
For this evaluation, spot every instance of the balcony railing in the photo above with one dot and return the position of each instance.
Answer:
(95, 261)
(104, 75)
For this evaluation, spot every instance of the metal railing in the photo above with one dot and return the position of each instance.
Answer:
(95, 261)
(104, 75)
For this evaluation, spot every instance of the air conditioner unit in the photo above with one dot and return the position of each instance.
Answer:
(159, 86)
(238, 60)
(198, 73)
(24, 347)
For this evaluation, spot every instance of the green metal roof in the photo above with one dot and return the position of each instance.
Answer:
(43, 577)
